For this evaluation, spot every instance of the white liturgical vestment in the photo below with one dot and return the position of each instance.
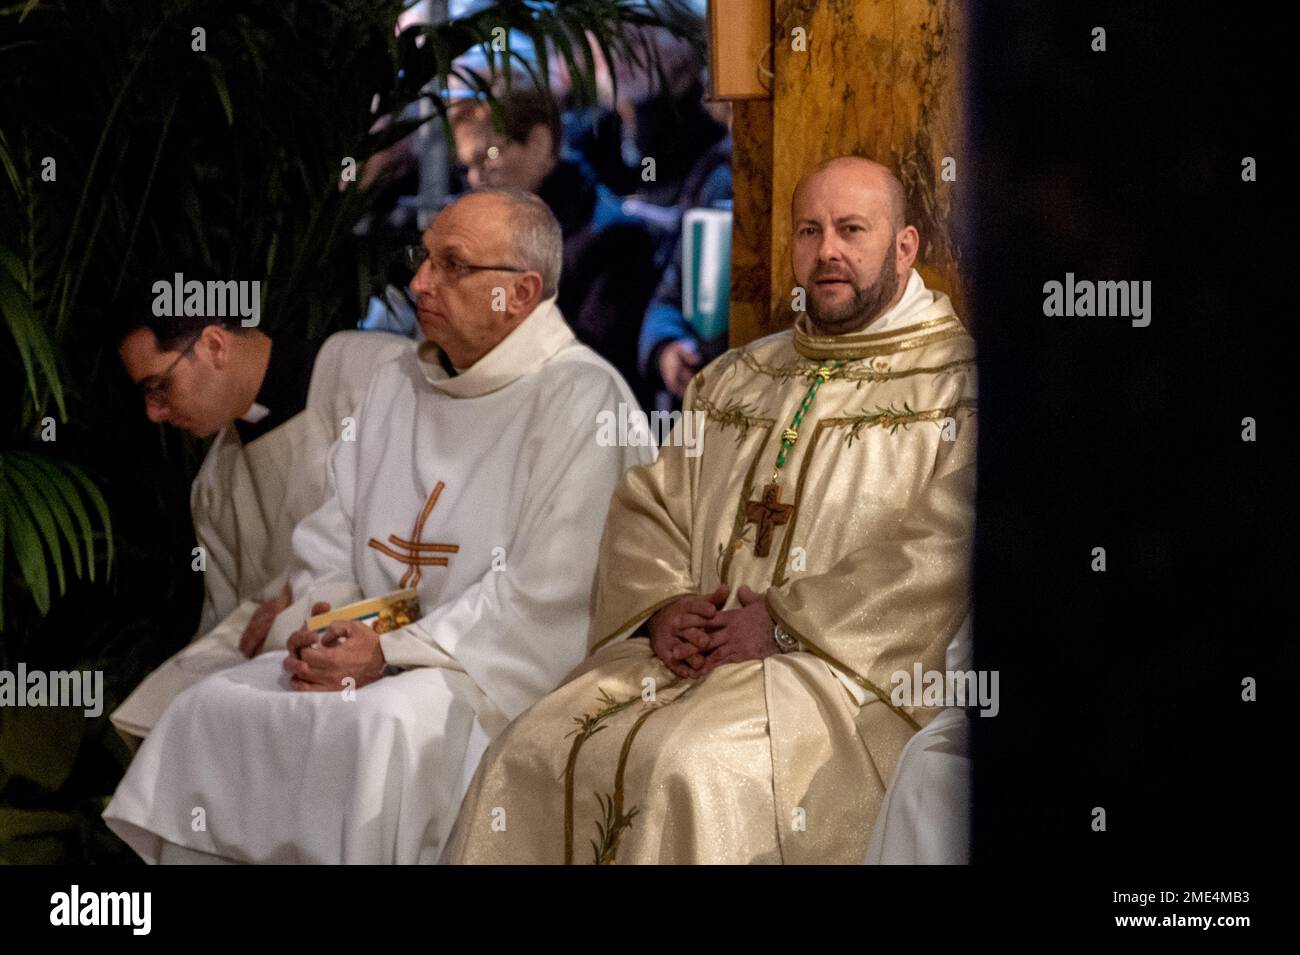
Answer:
(245, 501)
(486, 492)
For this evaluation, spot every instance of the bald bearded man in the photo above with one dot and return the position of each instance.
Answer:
(753, 602)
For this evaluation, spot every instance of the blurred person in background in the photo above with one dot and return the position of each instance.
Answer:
(609, 268)
(690, 141)
(273, 407)
(659, 113)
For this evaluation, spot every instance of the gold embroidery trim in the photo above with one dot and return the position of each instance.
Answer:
(852, 673)
(778, 572)
(733, 415)
(611, 829)
(856, 337)
(741, 520)
(846, 350)
(893, 419)
(934, 414)
(588, 726)
(808, 369)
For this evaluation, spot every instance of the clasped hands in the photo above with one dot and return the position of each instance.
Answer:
(693, 635)
(319, 661)
(323, 661)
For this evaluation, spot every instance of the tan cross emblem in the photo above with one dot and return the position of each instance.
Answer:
(417, 553)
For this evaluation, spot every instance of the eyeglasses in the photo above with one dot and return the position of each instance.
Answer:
(448, 265)
(488, 157)
(155, 389)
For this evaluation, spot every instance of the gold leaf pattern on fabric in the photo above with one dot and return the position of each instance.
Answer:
(783, 759)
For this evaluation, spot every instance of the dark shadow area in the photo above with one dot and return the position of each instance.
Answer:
(1123, 689)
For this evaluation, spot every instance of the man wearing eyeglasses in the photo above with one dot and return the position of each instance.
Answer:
(479, 480)
(273, 409)
(609, 270)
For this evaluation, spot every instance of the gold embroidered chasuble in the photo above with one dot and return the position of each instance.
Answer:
(784, 759)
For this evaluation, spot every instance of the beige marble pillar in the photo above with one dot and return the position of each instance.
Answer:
(879, 78)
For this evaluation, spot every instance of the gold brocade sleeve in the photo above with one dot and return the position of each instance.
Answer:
(900, 599)
(645, 551)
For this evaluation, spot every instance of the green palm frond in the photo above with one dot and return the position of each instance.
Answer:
(45, 522)
(18, 290)
(574, 31)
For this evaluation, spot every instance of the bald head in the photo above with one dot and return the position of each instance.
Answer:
(851, 248)
(862, 173)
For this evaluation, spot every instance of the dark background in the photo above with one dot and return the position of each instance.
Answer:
(1122, 689)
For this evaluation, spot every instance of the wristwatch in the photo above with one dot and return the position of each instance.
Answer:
(788, 642)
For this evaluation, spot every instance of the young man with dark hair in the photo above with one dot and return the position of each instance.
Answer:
(273, 409)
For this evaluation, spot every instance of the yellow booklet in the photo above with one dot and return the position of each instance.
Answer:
(381, 614)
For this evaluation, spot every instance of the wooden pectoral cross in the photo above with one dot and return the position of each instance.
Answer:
(768, 513)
